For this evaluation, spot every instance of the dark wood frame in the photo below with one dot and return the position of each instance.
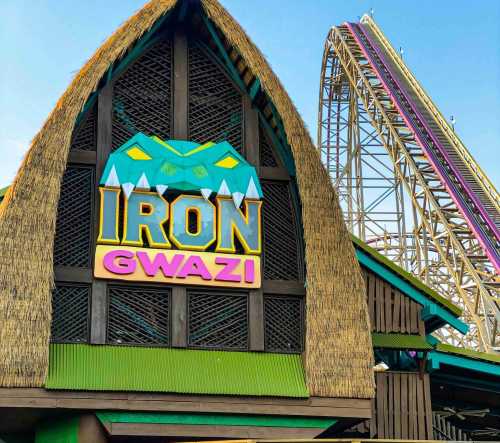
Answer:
(179, 124)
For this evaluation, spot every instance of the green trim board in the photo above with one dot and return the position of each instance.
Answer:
(414, 281)
(400, 341)
(215, 419)
(185, 371)
(469, 353)
(437, 357)
(434, 314)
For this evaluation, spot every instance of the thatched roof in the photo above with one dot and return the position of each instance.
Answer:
(338, 360)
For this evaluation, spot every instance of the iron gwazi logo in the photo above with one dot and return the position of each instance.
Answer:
(174, 212)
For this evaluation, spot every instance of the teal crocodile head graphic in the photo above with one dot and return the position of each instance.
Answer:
(150, 163)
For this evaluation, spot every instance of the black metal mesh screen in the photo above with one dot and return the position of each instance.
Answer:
(85, 135)
(218, 320)
(281, 243)
(267, 157)
(215, 104)
(138, 315)
(142, 96)
(284, 324)
(73, 240)
(70, 313)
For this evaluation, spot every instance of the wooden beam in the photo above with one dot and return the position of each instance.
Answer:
(70, 274)
(180, 87)
(209, 431)
(270, 173)
(82, 157)
(313, 406)
(283, 287)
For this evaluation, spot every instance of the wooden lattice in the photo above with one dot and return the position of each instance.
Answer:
(142, 96)
(218, 320)
(215, 104)
(284, 324)
(70, 313)
(281, 244)
(138, 315)
(267, 157)
(84, 136)
(73, 240)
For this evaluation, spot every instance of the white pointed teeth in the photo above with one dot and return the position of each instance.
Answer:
(224, 189)
(160, 189)
(112, 180)
(143, 182)
(252, 192)
(205, 192)
(127, 189)
(238, 198)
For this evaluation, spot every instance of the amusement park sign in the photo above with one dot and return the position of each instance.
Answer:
(178, 212)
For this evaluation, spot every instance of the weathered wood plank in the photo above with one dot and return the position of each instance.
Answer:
(404, 406)
(251, 125)
(420, 408)
(396, 322)
(397, 405)
(381, 393)
(98, 315)
(390, 406)
(388, 306)
(285, 287)
(428, 407)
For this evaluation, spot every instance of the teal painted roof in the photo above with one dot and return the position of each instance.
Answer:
(285, 421)
(415, 282)
(186, 371)
(400, 341)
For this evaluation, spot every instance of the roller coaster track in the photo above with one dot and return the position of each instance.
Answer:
(407, 184)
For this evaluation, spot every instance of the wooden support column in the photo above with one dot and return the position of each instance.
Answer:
(91, 430)
(256, 319)
(179, 317)
(180, 89)
(104, 143)
(251, 120)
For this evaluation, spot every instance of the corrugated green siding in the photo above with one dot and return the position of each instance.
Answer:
(400, 341)
(216, 419)
(121, 368)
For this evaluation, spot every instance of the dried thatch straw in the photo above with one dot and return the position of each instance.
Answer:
(339, 356)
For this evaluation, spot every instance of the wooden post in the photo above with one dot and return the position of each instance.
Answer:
(91, 430)
(180, 87)
(179, 317)
(251, 126)
(104, 143)
(256, 319)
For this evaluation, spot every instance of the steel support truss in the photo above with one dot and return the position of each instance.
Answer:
(391, 196)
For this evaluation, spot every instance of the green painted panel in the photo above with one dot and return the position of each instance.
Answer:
(216, 419)
(449, 349)
(63, 430)
(187, 371)
(407, 276)
(400, 341)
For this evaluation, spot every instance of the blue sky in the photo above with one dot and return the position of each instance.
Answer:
(452, 46)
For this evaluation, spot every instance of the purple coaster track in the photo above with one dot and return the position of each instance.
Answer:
(486, 242)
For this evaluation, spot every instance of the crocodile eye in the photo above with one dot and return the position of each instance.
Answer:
(227, 162)
(136, 153)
